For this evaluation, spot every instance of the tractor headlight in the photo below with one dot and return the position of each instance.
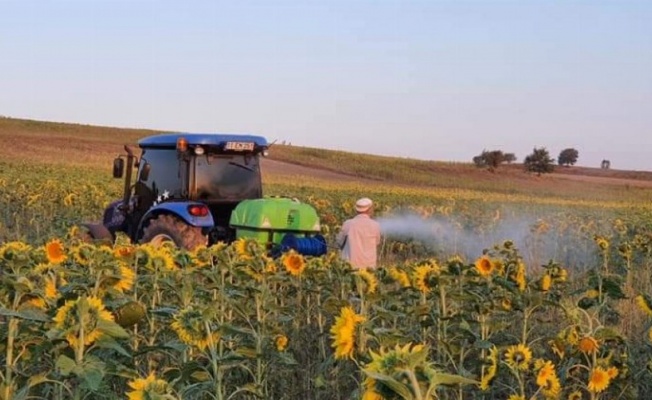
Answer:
(199, 150)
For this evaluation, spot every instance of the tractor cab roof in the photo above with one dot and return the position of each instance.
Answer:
(169, 140)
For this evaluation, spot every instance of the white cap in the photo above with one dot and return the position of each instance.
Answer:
(363, 204)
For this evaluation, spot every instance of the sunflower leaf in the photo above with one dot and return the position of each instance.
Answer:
(31, 315)
(112, 329)
(392, 384)
(65, 365)
(449, 379)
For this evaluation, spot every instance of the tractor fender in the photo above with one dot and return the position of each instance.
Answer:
(98, 232)
(180, 210)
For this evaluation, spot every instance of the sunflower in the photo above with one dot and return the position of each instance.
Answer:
(576, 395)
(485, 266)
(35, 302)
(588, 345)
(400, 276)
(546, 371)
(50, 290)
(506, 304)
(69, 200)
(598, 380)
(520, 277)
(13, 250)
(558, 348)
(124, 251)
(518, 357)
(343, 332)
(189, 324)
(370, 394)
(202, 256)
(83, 254)
(546, 282)
(602, 242)
(125, 277)
(54, 251)
(573, 336)
(644, 304)
(241, 249)
(393, 363)
(552, 388)
(281, 342)
(612, 372)
(69, 321)
(369, 279)
(293, 262)
(426, 277)
(148, 388)
(161, 260)
(516, 397)
(270, 265)
(491, 371)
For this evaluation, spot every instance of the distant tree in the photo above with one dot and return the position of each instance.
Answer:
(509, 158)
(539, 161)
(489, 159)
(568, 157)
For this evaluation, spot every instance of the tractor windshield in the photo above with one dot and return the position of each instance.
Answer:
(227, 178)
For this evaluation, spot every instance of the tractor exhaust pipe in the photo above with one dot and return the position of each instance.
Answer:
(130, 165)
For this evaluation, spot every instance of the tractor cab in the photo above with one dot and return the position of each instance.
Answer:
(200, 189)
(195, 178)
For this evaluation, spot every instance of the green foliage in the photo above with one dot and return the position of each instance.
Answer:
(492, 159)
(568, 157)
(539, 161)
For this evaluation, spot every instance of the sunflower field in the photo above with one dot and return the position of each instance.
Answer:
(563, 312)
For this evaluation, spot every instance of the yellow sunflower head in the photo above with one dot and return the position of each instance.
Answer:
(369, 280)
(516, 397)
(50, 289)
(281, 342)
(54, 252)
(426, 277)
(644, 303)
(148, 388)
(190, 326)
(588, 345)
(125, 252)
(598, 380)
(576, 395)
(518, 357)
(400, 276)
(161, 259)
(343, 332)
(85, 312)
(546, 282)
(125, 277)
(485, 266)
(293, 263)
(602, 242)
(83, 254)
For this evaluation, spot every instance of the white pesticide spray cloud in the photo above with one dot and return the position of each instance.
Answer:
(449, 237)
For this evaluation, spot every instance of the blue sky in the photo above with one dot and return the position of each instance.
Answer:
(437, 80)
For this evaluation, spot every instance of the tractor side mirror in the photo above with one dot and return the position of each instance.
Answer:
(118, 167)
(144, 172)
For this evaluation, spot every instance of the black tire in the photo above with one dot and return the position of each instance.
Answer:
(168, 228)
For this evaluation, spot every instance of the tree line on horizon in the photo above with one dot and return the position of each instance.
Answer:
(539, 161)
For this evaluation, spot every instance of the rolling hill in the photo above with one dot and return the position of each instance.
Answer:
(95, 146)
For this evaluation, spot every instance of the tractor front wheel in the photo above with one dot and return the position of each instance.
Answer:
(168, 228)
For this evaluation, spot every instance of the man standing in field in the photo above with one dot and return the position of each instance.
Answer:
(360, 236)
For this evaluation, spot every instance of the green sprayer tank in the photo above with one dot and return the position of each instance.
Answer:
(270, 220)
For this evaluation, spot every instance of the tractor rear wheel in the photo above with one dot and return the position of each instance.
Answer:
(168, 228)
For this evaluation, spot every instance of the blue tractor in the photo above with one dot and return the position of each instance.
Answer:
(187, 188)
